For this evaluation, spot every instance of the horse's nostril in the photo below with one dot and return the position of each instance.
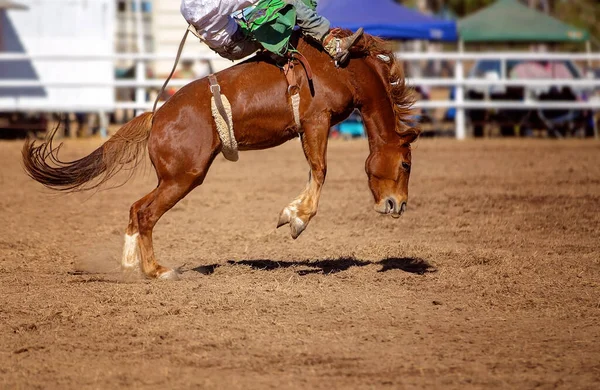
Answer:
(389, 206)
(403, 208)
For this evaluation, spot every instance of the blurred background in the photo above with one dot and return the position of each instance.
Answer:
(481, 68)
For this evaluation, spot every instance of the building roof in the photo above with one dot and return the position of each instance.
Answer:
(386, 19)
(512, 21)
(7, 4)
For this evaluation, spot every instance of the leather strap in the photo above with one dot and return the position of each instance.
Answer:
(298, 56)
(293, 91)
(179, 50)
(290, 75)
(293, 87)
(215, 88)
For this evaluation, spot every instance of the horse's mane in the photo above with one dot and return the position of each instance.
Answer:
(401, 95)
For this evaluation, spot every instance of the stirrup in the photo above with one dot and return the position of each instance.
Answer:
(339, 48)
(344, 54)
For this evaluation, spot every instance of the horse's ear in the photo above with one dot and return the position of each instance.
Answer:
(409, 136)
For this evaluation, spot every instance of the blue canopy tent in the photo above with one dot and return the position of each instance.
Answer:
(387, 19)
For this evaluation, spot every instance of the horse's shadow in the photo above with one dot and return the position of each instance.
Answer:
(413, 265)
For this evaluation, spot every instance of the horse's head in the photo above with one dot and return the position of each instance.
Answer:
(386, 108)
(388, 169)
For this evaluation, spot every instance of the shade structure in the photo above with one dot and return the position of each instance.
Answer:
(512, 21)
(386, 19)
(5, 4)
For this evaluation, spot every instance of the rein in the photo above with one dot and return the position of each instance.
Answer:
(179, 50)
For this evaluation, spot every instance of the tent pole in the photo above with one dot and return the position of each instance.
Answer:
(1, 30)
(459, 96)
(588, 49)
(140, 65)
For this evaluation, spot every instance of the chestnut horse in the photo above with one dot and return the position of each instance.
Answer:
(182, 138)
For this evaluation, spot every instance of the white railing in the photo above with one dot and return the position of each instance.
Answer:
(459, 82)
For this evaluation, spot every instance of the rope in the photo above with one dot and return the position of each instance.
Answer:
(172, 70)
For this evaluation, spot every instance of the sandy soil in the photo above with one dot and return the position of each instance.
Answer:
(491, 279)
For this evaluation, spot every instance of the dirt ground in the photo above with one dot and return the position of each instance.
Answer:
(490, 280)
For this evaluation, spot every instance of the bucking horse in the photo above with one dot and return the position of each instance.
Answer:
(183, 136)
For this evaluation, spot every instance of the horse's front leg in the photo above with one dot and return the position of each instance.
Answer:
(299, 213)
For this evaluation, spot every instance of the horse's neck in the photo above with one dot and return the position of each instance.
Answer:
(377, 111)
(380, 126)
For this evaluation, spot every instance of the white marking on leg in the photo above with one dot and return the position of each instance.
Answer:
(131, 251)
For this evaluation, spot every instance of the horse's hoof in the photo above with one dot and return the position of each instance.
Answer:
(297, 226)
(284, 218)
(169, 275)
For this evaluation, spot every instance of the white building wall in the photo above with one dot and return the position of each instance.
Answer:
(168, 28)
(59, 27)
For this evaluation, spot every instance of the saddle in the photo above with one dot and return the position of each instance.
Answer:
(221, 108)
(271, 23)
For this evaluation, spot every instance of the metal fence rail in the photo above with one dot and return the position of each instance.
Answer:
(140, 83)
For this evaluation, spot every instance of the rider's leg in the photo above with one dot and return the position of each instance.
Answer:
(311, 23)
(233, 46)
(239, 46)
(318, 28)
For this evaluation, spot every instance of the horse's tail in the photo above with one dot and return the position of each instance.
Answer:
(125, 149)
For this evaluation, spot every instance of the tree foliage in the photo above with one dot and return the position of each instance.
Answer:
(580, 13)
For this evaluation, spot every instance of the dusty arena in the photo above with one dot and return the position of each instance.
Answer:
(490, 280)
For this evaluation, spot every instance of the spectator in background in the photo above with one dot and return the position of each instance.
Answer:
(205, 68)
(186, 71)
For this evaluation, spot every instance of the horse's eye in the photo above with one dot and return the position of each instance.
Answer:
(406, 166)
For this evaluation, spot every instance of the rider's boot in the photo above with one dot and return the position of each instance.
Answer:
(339, 48)
(318, 28)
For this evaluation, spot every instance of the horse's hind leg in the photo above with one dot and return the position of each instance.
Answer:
(314, 142)
(143, 216)
(131, 251)
(162, 199)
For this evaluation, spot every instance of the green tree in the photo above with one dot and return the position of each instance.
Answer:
(580, 13)
(465, 7)
(459, 7)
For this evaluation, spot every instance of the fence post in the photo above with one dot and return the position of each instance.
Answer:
(140, 65)
(459, 95)
(103, 124)
(590, 64)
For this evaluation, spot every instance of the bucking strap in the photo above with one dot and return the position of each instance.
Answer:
(215, 88)
(294, 91)
(227, 136)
